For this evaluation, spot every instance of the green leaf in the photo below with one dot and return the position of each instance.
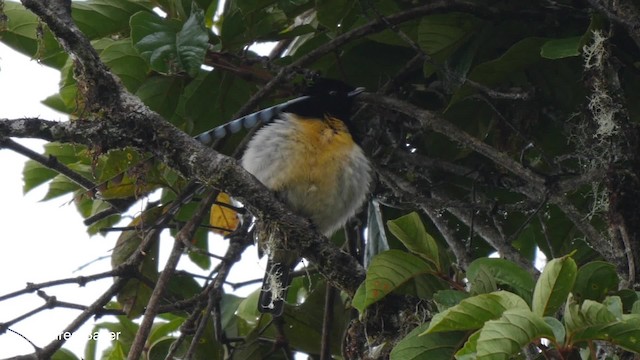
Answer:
(228, 307)
(387, 272)
(161, 94)
(472, 313)
(21, 34)
(447, 298)
(624, 333)
(168, 45)
(561, 48)
(614, 305)
(427, 347)
(182, 286)
(423, 286)
(164, 329)
(115, 352)
(304, 322)
(441, 32)
(559, 331)
(470, 349)
(67, 100)
(506, 336)
(504, 273)
(410, 230)
(482, 282)
(635, 308)
(66, 153)
(60, 185)
(578, 317)
(554, 285)
(210, 99)
(35, 174)
(595, 280)
(248, 308)
(205, 348)
(358, 301)
(100, 18)
(64, 354)
(125, 62)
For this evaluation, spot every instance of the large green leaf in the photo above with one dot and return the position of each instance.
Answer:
(21, 34)
(210, 99)
(445, 299)
(502, 338)
(411, 231)
(427, 347)
(554, 285)
(504, 273)
(470, 349)
(473, 312)
(595, 280)
(125, 62)
(99, 18)
(595, 321)
(35, 174)
(170, 46)
(163, 329)
(60, 185)
(624, 333)
(578, 317)
(561, 48)
(387, 272)
(161, 94)
(67, 100)
(482, 282)
(441, 32)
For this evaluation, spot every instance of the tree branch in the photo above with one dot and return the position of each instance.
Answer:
(430, 120)
(623, 12)
(101, 89)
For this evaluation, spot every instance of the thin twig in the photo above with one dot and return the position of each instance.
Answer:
(80, 280)
(52, 163)
(151, 309)
(87, 314)
(327, 322)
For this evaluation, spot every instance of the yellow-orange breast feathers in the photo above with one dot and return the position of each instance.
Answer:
(314, 165)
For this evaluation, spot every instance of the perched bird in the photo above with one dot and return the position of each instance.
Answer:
(307, 155)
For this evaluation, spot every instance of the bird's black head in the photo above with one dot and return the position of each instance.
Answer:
(326, 97)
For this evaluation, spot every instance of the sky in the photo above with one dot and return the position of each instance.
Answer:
(44, 241)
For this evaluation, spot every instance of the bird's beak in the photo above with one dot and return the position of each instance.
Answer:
(356, 92)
